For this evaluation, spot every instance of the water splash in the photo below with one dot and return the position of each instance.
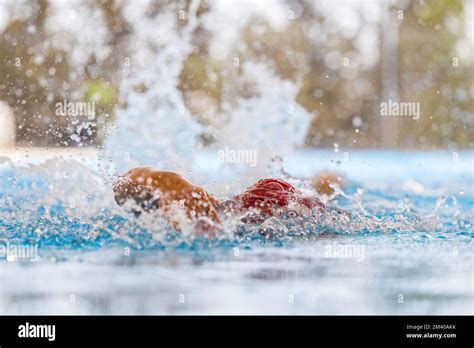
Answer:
(155, 128)
(66, 204)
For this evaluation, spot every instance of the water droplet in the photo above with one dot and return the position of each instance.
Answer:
(356, 121)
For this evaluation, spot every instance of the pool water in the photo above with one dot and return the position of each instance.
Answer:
(66, 248)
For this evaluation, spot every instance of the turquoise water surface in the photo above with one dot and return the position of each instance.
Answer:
(66, 248)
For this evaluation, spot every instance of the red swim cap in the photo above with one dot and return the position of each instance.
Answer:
(268, 194)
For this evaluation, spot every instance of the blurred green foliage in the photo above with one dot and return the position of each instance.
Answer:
(432, 73)
(104, 97)
(200, 73)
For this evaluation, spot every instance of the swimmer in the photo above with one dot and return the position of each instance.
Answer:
(166, 191)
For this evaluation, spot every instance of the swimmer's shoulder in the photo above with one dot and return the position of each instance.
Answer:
(148, 171)
(170, 177)
(158, 177)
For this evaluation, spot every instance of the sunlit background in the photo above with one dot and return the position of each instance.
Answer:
(341, 59)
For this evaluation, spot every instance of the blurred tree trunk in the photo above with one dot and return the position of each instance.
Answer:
(389, 70)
